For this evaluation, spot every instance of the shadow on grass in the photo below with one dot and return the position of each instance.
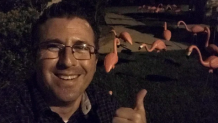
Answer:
(159, 78)
(172, 62)
(120, 61)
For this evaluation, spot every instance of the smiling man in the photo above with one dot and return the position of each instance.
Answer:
(66, 41)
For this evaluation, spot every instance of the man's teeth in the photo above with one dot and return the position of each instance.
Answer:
(68, 77)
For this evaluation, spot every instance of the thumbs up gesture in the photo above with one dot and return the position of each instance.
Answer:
(132, 115)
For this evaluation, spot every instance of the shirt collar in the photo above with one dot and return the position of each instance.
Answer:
(42, 105)
(85, 104)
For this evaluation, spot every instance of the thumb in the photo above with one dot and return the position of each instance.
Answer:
(140, 100)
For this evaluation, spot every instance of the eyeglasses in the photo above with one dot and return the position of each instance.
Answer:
(79, 51)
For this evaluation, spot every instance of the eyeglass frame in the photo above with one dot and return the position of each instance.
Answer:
(44, 45)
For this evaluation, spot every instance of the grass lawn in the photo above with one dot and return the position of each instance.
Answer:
(180, 90)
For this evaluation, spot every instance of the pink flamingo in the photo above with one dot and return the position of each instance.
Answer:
(166, 33)
(168, 7)
(160, 5)
(174, 6)
(211, 48)
(112, 58)
(125, 36)
(211, 62)
(139, 9)
(195, 29)
(159, 8)
(177, 10)
(152, 8)
(157, 45)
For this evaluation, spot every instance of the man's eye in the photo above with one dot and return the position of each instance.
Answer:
(53, 47)
(84, 48)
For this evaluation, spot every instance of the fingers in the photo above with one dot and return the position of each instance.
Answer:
(140, 100)
(127, 114)
(121, 120)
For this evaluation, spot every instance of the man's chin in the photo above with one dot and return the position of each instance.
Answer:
(67, 96)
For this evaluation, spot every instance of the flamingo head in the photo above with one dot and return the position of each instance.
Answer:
(178, 24)
(140, 47)
(190, 49)
(115, 33)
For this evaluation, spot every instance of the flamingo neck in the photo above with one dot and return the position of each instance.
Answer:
(114, 32)
(186, 27)
(200, 56)
(208, 36)
(165, 25)
(116, 41)
(146, 47)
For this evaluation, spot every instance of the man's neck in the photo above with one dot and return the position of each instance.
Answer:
(66, 111)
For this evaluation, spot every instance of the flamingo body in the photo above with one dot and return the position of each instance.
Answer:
(167, 33)
(195, 29)
(157, 45)
(212, 49)
(109, 62)
(112, 58)
(126, 37)
(211, 62)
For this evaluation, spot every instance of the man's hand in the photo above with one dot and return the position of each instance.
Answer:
(129, 115)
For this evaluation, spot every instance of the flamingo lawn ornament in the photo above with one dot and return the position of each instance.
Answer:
(211, 48)
(159, 8)
(166, 33)
(211, 62)
(125, 36)
(168, 7)
(157, 45)
(195, 29)
(112, 58)
(139, 9)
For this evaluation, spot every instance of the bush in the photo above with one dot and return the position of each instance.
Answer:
(15, 45)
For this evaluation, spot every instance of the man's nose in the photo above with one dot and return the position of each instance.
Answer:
(66, 58)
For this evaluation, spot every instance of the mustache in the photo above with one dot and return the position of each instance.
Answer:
(70, 71)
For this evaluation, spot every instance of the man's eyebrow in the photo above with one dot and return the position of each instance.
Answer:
(79, 42)
(52, 41)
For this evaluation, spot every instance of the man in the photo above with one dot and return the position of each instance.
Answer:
(67, 43)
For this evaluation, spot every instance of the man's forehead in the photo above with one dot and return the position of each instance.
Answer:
(67, 23)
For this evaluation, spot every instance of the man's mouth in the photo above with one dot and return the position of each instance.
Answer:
(67, 77)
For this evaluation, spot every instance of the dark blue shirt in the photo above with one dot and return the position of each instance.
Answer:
(24, 103)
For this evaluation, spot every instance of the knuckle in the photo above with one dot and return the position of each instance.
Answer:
(137, 117)
(115, 120)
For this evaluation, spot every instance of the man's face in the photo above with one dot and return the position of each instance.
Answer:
(65, 77)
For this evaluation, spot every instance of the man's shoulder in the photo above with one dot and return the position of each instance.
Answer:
(103, 103)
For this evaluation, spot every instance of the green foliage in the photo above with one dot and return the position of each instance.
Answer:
(15, 43)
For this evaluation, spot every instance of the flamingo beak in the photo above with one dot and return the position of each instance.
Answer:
(139, 48)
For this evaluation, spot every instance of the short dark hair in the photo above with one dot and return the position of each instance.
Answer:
(67, 9)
